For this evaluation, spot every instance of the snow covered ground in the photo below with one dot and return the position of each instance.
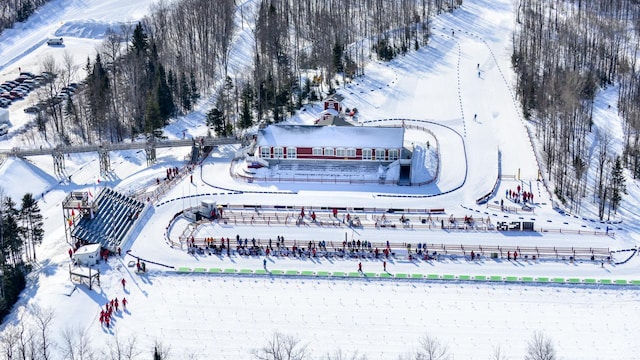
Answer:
(480, 134)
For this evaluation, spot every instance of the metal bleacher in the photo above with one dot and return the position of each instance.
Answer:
(115, 215)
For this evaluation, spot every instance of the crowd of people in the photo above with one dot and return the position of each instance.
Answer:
(519, 195)
(110, 308)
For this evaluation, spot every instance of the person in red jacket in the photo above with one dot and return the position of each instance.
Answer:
(124, 304)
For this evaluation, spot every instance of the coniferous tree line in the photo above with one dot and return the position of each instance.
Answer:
(21, 230)
(182, 49)
(564, 52)
(13, 11)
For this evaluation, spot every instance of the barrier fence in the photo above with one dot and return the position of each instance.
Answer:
(411, 276)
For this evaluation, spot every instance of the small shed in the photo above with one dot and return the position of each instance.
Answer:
(332, 104)
(87, 255)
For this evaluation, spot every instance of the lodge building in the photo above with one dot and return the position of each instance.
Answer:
(334, 143)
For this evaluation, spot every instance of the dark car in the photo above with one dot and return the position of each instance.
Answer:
(32, 110)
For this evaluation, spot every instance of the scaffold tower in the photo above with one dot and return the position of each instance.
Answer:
(105, 161)
(58, 160)
(150, 149)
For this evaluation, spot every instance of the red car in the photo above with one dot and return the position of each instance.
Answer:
(7, 95)
(17, 94)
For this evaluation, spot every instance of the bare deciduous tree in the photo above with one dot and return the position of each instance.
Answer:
(282, 347)
(498, 354)
(76, 344)
(341, 355)
(160, 352)
(9, 342)
(431, 349)
(117, 349)
(43, 318)
(540, 347)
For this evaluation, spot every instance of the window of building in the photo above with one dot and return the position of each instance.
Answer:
(366, 154)
(341, 152)
(328, 151)
(351, 152)
(265, 152)
(278, 153)
(380, 154)
(393, 154)
(291, 153)
(317, 151)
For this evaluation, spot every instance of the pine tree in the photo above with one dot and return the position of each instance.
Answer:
(164, 96)
(12, 280)
(99, 94)
(139, 40)
(185, 93)
(618, 186)
(246, 117)
(32, 224)
(338, 65)
(152, 118)
(215, 120)
(12, 243)
(195, 95)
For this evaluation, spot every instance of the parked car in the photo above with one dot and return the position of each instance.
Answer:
(17, 93)
(32, 110)
(12, 83)
(4, 88)
(29, 86)
(4, 129)
(29, 74)
(4, 102)
(7, 95)
(55, 41)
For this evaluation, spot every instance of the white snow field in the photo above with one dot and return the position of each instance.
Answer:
(464, 72)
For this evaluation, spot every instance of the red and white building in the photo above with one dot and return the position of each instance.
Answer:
(335, 143)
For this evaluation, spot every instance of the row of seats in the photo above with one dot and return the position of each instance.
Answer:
(114, 216)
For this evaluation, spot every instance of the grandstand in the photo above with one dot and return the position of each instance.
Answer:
(104, 221)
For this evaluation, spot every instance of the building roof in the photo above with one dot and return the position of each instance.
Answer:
(88, 249)
(335, 97)
(331, 136)
(333, 119)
